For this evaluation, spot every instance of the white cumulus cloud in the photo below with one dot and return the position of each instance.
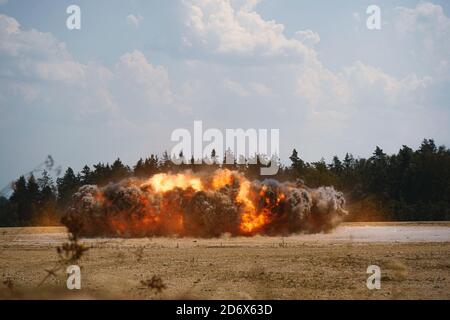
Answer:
(234, 28)
(135, 20)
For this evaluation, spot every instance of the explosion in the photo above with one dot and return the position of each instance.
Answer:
(203, 205)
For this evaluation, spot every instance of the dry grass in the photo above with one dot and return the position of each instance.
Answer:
(227, 268)
(69, 253)
(155, 284)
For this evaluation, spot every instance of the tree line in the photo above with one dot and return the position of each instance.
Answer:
(408, 185)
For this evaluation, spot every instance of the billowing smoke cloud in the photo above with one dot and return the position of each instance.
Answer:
(204, 205)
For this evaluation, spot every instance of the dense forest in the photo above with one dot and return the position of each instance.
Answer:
(409, 185)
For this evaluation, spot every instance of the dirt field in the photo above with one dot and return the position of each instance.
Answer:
(414, 259)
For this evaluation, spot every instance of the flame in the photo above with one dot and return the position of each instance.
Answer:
(204, 204)
(166, 182)
(221, 178)
(251, 219)
(159, 213)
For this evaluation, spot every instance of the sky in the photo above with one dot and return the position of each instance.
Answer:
(137, 70)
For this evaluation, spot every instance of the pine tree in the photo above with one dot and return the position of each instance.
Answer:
(46, 187)
(67, 186)
(214, 156)
(336, 166)
(20, 200)
(298, 165)
(86, 176)
(119, 171)
(8, 217)
(151, 165)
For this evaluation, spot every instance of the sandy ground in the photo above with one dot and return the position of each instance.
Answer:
(414, 259)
